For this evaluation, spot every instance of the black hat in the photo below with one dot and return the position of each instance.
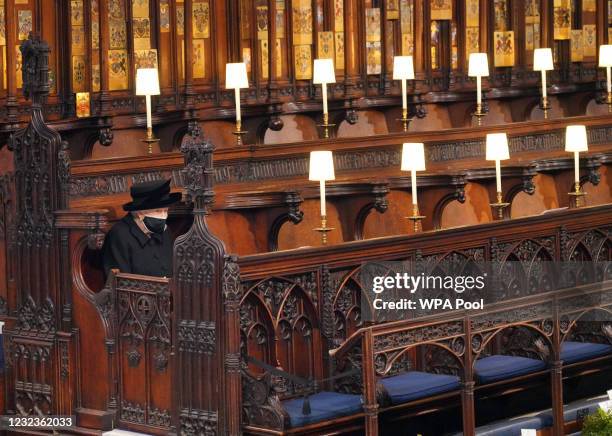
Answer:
(151, 195)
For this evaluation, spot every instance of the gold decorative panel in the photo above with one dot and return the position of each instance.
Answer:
(503, 46)
(302, 23)
(303, 62)
(325, 45)
(441, 9)
(562, 21)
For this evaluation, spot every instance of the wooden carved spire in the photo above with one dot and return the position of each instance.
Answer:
(206, 289)
(42, 282)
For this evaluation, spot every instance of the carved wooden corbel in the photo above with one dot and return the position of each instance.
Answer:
(261, 405)
(105, 136)
(458, 194)
(380, 204)
(292, 201)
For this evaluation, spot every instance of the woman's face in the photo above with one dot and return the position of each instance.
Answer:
(153, 213)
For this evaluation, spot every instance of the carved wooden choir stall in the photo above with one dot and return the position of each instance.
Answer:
(264, 326)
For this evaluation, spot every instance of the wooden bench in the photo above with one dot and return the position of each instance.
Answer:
(473, 360)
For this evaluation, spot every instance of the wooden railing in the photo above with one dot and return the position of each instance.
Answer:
(536, 327)
(312, 296)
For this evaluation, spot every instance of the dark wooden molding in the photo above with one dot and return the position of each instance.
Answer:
(232, 166)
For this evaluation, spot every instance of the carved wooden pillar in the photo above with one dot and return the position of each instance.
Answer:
(104, 46)
(220, 33)
(556, 373)
(233, 31)
(11, 61)
(352, 18)
(206, 289)
(602, 23)
(188, 66)
(370, 405)
(485, 26)
(547, 24)
(467, 390)
(421, 45)
(41, 358)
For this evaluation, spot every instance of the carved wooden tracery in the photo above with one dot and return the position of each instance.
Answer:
(207, 290)
(43, 299)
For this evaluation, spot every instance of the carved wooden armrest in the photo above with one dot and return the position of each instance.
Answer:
(261, 405)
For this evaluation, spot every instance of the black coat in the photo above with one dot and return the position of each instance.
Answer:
(129, 249)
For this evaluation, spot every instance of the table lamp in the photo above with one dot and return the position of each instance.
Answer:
(403, 69)
(575, 142)
(236, 78)
(147, 84)
(321, 170)
(323, 74)
(605, 61)
(543, 61)
(497, 150)
(479, 68)
(413, 160)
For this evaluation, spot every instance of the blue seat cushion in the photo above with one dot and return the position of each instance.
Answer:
(414, 384)
(323, 406)
(572, 352)
(501, 367)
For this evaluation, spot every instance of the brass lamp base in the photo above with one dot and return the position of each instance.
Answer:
(325, 125)
(323, 230)
(239, 133)
(416, 218)
(479, 112)
(405, 120)
(150, 140)
(577, 196)
(499, 206)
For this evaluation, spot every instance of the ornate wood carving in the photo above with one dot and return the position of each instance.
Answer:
(42, 168)
(255, 169)
(201, 304)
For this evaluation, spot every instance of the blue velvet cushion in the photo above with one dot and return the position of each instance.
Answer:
(323, 406)
(414, 384)
(572, 352)
(500, 367)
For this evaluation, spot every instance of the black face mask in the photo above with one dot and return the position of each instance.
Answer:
(155, 225)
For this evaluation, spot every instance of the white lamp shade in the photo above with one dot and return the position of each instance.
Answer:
(413, 156)
(542, 59)
(147, 81)
(497, 146)
(321, 166)
(605, 55)
(403, 68)
(324, 71)
(236, 76)
(576, 138)
(478, 65)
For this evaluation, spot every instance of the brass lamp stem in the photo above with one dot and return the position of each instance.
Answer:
(239, 133)
(150, 140)
(323, 230)
(416, 218)
(577, 195)
(500, 206)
